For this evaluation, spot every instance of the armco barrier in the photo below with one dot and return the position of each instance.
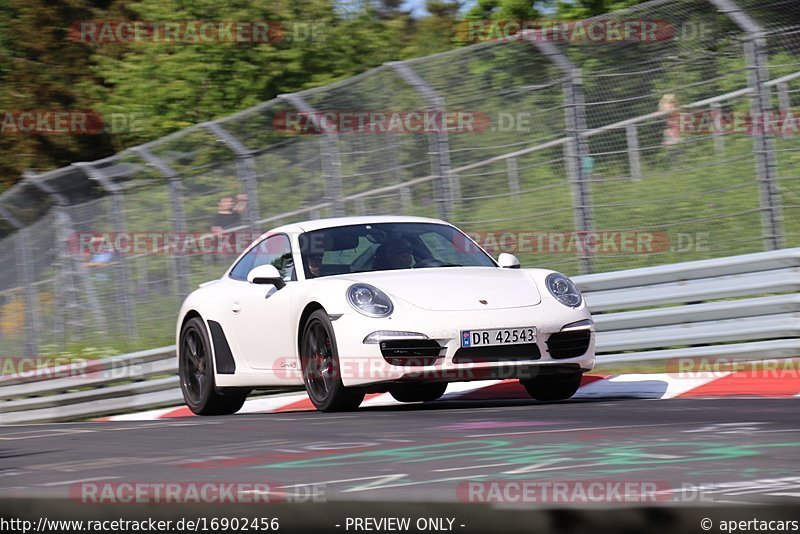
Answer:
(741, 307)
(135, 381)
(738, 307)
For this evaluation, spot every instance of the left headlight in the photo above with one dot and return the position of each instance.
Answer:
(369, 300)
(564, 290)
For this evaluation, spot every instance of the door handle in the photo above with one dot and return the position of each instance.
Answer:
(236, 306)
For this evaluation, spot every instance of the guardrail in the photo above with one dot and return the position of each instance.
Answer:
(741, 307)
(136, 381)
(738, 307)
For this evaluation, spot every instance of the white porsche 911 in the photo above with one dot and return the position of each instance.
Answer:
(355, 305)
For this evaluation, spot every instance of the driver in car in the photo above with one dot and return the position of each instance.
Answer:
(395, 254)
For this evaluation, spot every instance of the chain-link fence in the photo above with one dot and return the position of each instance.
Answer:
(579, 153)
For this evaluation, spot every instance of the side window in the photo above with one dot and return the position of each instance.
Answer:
(240, 270)
(275, 250)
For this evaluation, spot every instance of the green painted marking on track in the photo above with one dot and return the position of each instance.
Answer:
(622, 457)
(495, 450)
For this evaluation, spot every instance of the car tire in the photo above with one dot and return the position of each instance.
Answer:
(418, 392)
(552, 387)
(319, 359)
(196, 372)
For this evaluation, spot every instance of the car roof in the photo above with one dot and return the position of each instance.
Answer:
(317, 224)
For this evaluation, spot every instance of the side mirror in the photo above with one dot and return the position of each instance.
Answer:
(266, 274)
(508, 261)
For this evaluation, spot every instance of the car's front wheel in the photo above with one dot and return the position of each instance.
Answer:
(196, 371)
(552, 387)
(321, 370)
(418, 392)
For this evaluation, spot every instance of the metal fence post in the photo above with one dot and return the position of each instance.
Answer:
(783, 97)
(178, 216)
(23, 262)
(449, 189)
(512, 169)
(394, 171)
(577, 150)
(120, 225)
(719, 137)
(22, 244)
(246, 169)
(69, 305)
(329, 155)
(763, 144)
(634, 163)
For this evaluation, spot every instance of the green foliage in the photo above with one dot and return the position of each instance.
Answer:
(436, 32)
(582, 9)
(40, 69)
(174, 85)
(161, 87)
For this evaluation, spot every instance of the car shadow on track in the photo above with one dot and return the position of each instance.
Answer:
(512, 394)
(486, 403)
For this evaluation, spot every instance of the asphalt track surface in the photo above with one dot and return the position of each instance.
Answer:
(704, 451)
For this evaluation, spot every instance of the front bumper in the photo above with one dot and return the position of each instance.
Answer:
(363, 363)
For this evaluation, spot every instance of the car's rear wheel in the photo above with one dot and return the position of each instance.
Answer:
(418, 392)
(196, 372)
(552, 387)
(321, 371)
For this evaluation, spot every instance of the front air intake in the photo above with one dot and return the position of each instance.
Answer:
(569, 344)
(407, 352)
(497, 353)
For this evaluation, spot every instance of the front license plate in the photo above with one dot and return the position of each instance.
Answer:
(500, 336)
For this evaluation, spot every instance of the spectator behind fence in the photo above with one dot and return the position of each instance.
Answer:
(240, 206)
(224, 219)
(100, 255)
(672, 132)
(103, 254)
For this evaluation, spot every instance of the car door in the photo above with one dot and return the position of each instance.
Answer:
(259, 314)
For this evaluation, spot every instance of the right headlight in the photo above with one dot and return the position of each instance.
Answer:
(564, 290)
(369, 300)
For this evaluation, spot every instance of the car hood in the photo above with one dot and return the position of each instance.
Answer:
(456, 288)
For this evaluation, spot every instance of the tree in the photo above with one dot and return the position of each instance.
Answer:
(435, 32)
(172, 85)
(41, 70)
(505, 10)
(160, 87)
(582, 9)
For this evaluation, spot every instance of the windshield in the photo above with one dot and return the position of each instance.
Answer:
(387, 246)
